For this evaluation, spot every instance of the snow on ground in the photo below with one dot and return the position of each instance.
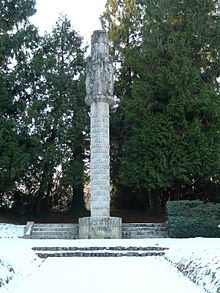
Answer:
(198, 259)
(16, 256)
(108, 275)
(11, 231)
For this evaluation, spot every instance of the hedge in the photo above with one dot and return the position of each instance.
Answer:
(193, 219)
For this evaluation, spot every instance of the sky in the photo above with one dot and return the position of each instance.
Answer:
(83, 14)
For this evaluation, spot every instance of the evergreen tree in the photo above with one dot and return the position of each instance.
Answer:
(58, 119)
(16, 39)
(122, 20)
(171, 147)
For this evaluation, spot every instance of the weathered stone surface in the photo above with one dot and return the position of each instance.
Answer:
(100, 248)
(144, 230)
(52, 231)
(99, 70)
(99, 254)
(71, 231)
(100, 228)
(99, 88)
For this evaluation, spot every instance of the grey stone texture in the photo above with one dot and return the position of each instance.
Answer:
(144, 230)
(51, 231)
(96, 251)
(99, 70)
(86, 228)
(100, 228)
(99, 89)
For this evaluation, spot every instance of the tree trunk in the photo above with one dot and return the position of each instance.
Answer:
(39, 202)
(78, 204)
(155, 202)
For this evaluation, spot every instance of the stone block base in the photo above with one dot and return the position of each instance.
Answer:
(100, 228)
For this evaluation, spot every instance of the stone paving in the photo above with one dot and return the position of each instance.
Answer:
(117, 251)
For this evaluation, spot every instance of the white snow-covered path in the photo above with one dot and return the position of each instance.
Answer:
(98, 275)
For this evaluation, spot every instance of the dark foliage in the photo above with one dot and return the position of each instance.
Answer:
(188, 219)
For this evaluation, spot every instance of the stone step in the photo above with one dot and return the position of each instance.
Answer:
(49, 235)
(162, 233)
(144, 224)
(153, 225)
(145, 232)
(70, 231)
(55, 229)
(133, 235)
(144, 236)
(100, 248)
(99, 254)
(94, 251)
(55, 225)
(141, 236)
(144, 229)
(53, 232)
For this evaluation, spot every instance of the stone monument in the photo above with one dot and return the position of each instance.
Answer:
(99, 89)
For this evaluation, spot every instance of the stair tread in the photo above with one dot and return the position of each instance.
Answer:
(99, 248)
(53, 229)
(70, 230)
(144, 229)
(56, 226)
(49, 232)
(99, 254)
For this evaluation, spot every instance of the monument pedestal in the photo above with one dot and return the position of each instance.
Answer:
(100, 228)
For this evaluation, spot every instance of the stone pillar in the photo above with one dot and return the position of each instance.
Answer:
(99, 89)
(99, 160)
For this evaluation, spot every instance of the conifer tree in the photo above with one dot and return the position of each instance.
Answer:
(16, 39)
(122, 20)
(58, 117)
(171, 144)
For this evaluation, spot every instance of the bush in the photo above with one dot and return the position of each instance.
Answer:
(193, 219)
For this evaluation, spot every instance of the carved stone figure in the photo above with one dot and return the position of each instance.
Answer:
(99, 71)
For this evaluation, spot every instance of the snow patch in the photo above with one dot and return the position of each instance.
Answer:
(196, 258)
(6, 272)
(200, 262)
(10, 231)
